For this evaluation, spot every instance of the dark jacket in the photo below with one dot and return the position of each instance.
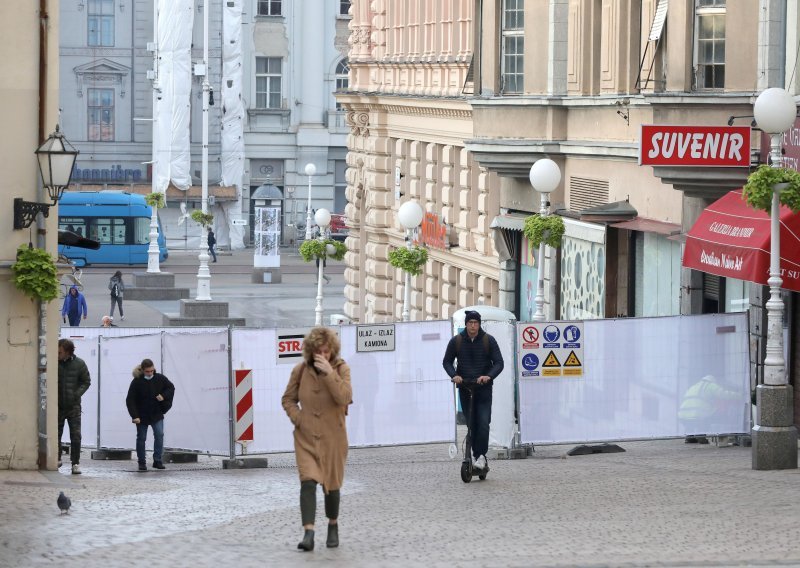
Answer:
(73, 381)
(474, 360)
(141, 399)
(212, 240)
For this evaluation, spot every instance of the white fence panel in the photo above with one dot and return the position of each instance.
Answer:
(402, 396)
(636, 372)
(197, 364)
(118, 357)
(256, 349)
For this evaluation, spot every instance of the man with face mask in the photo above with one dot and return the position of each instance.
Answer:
(149, 399)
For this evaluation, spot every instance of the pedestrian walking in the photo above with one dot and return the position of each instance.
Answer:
(316, 401)
(73, 381)
(117, 289)
(478, 360)
(149, 398)
(74, 307)
(212, 240)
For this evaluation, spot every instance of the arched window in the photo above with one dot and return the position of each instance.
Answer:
(342, 78)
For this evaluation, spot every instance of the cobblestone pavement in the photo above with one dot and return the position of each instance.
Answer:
(660, 503)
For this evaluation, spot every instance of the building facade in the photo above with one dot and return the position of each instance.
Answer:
(29, 92)
(294, 58)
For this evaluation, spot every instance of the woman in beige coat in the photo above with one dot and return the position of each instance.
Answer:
(316, 401)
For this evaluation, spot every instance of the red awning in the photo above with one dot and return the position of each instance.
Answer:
(731, 239)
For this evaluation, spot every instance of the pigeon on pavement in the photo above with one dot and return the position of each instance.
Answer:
(64, 503)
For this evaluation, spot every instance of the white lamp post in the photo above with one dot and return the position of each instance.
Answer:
(410, 216)
(323, 220)
(153, 251)
(544, 177)
(774, 434)
(203, 273)
(310, 171)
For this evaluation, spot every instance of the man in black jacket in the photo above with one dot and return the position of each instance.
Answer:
(73, 381)
(479, 361)
(149, 398)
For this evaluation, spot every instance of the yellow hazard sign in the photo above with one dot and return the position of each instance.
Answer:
(551, 361)
(572, 360)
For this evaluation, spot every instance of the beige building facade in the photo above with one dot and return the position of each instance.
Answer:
(29, 95)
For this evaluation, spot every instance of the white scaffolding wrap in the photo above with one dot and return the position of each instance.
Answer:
(636, 374)
(232, 136)
(171, 130)
(503, 427)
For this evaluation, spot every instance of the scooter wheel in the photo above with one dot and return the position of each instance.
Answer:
(466, 472)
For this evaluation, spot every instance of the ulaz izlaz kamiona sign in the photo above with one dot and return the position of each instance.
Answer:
(375, 338)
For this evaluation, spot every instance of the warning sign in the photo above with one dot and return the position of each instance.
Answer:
(551, 361)
(557, 347)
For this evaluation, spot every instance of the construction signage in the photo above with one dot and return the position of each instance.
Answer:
(290, 345)
(550, 349)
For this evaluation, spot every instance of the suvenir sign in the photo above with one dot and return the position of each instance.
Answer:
(669, 145)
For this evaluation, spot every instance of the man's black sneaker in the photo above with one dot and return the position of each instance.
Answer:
(142, 467)
(158, 465)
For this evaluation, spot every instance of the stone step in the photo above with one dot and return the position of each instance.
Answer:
(177, 320)
(155, 294)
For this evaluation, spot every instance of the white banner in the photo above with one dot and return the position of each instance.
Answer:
(637, 374)
(501, 432)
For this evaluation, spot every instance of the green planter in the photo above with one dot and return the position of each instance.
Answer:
(35, 273)
(313, 249)
(548, 230)
(410, 260)
(758, 189)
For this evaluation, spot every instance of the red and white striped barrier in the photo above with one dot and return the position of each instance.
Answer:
(244, 405)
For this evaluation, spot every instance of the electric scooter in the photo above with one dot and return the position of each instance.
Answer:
(468, 469)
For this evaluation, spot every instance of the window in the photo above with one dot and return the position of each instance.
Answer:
(108, 231)
(344, 7)
(269, 7)
(141, 230)
(101, 115)
(101, 23)
(710, 44)
(342, 78)
(512, 46)
(268, 82)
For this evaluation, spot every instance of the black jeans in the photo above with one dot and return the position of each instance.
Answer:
(480, 420)
(73, 418)
(116, 301)
(308, 503)
(212, 252)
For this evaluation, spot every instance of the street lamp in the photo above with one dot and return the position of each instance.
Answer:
(310, 171)
(544, 177)
(56, 157)
(323, 220)
(774, 434)
(410, 216)
(203, 272)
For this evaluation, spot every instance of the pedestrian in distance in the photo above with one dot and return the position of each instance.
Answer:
(73, 381)
(212, 240)
(316, 401)
(117, 289)
(474, 356)
(150, 397)
(107, 321)
(74, 307)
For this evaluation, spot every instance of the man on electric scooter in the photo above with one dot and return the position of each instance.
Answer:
(479, 361)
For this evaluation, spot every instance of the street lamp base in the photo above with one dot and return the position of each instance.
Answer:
(774, 435)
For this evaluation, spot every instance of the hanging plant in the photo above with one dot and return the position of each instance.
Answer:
(758, 189)
(313, 249)
(205, 219)
(35, 273)
(410, 260)
(548, 229)
(155, 199)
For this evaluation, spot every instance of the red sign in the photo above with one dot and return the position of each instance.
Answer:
(790, 147)
(667, 145)
(433, 233)
(731, 239)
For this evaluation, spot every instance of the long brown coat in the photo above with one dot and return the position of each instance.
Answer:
(320, 433)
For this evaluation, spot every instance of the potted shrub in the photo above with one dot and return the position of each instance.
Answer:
(548, 229)
(758, 189)
(205, 219)
(35, 273)
(313, 249)
(410, 260)
(155, 199)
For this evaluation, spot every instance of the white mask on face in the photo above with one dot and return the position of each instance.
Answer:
(148, 377)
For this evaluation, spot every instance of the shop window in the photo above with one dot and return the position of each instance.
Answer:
(657, 277)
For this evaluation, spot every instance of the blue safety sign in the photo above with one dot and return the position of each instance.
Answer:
(530, 361)
(572, 336)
